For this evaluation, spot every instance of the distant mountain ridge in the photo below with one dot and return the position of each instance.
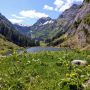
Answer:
(43, 21)
(22, 29)
(40, 30)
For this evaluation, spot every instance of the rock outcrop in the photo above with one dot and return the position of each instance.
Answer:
(79, 62)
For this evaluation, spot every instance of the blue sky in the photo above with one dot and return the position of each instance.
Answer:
(28, 11)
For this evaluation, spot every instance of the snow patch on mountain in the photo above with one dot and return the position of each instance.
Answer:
(47, 22)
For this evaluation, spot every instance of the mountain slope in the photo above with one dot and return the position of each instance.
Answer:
(42, 28)
(6, 45)
(81, 37)
(8, 30)
(22, 29)
(77, 35)
(64, 22)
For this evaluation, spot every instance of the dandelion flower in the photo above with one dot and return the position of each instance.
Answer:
(66, 64)
(67, 75)
(89, 65)
(73, 74)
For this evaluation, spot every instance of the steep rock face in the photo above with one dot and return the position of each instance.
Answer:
(82, 29)
(43, 21)
(78, 32)
(64, 24)
(70, 13)
(65, 20)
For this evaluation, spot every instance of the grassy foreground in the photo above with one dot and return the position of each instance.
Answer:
(44, 71)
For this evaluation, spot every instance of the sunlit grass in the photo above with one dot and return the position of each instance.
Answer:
(44, 71)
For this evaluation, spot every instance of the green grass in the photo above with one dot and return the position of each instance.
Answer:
(87, 1)
(44, 71)
(43, 44)
(87, 18)
(6, 45)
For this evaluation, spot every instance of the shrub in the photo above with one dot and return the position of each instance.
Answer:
(76, 24)
(87, 19)
(18, 86)
(59, 63)
(87, 0)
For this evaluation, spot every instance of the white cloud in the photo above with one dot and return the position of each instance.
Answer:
(16, 20)
(78, 0)
(58, 3)
(18, 17)
(32, 14)
(48, 7)
(62, 5)
(24, 14)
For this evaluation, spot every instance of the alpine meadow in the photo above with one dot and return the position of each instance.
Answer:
(45, 45)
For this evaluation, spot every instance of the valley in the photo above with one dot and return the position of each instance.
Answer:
(70, 29)
(51, 54)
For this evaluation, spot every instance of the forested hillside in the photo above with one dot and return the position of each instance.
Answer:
(7, 29)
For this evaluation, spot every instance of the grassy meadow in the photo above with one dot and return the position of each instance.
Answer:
(44, 71)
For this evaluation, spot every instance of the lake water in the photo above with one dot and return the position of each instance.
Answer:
(39, 49)
(36, 49)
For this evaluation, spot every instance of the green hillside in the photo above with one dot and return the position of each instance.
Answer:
(6, 45)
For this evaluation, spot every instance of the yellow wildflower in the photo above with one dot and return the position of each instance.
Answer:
(73, 74)
(89, 65)
(66, 64)
(67, 75)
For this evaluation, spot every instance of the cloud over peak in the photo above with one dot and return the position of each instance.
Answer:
(57, 5)
(24, 14)
(62, 5)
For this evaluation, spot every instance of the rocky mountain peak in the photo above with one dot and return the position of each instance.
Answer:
(43, 20)
(70, 13)
(74, 6)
